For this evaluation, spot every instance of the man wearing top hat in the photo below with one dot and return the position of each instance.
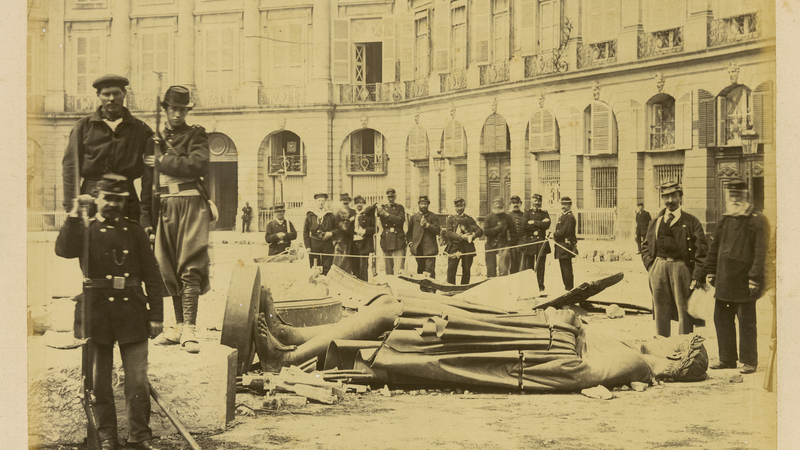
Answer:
(184, 221)
(423, 227)
(537, 221)
(318, 234)
(110, 140)
(735, 265)
(673, 252)
(515, 254)
(343, 234)
(460, 232)
(566, 242)
(280, 232)
(363, 233)
(393, 237)
(499, 228)
(120, 259)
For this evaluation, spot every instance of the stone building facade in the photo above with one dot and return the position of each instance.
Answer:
(599, 100)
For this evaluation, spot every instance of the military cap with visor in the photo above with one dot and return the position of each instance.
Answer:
(321, 195)
(736, 185)
(177, 96)
(113, 184)
(424, 199)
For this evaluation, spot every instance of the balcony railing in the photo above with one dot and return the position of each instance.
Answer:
(371, 93)
(593, 55)
(596, 223)
(453, 81)
(366, 164)
(216, 98)
(141, 101)
(282, 96)
(731, 30)
(538, 65)
(46, 220)
(81, 103)
(416, 88)
(293, 165)
(660, 43)
(734, 125)
(494, 73)
(664, 138)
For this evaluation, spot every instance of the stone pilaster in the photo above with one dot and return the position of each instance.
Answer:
(248, 93)
(630, 191)
(320, 89)
(695, 31)
(55, 48)
(699, 186)
(631, 26)
(119, 48)
(186, 49)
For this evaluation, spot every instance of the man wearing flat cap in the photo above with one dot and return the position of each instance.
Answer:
(280, 232)
(537, 221)
(120, 260)
(735, 265)
(500, 229)
(318, 234)
(423, 227)
(110, 140)
(343, 234)
(566, 242)
(393, 237)
(185, 216)
(459, 233)
(673, 252)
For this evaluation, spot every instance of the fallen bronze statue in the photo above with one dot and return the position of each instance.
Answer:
(425, 342)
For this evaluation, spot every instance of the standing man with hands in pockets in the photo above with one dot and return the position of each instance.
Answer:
(423, 227)
(536, 224)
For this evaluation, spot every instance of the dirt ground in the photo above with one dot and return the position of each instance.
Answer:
(713, 414)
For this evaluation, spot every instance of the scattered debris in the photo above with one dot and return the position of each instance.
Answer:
(613, 311)
(736, 379)
(638, 386)
(385, 391)
(599, 392)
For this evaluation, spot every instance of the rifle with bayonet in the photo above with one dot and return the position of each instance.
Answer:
(156, 206)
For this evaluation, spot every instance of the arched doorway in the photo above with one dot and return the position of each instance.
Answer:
(365, 163)
(496, 162)
(222, 181)
(281, 174)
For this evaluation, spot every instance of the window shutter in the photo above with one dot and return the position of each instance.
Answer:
(595, 25)
(413, 147)
(378, 140)
(706, 122)
(601, 129)
(212, 59)
(422, 141)
(535, 132)
(549, 130)
(547, 39)
(683, 122)
(441, 26)
(388, 69)
(528, 30)
(227, 51)
(428, 49)
(355, 143)
(656, 15)
(489, 134)
(480, 30)
(448, 139)
(458, 139)
(407, 49)
(722, 116)
(610, 15)
(500, 134)
(341, 51)
(763, 112)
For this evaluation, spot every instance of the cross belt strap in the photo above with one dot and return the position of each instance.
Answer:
(174, 188)
(113, 282)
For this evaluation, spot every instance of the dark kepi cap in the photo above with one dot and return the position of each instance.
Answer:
(566, 200)
(736, 185)
(458, 200)
(279, 207)
(110, 80)
(537, 196)
(114, 184)
(498, 200)
(344, 197)
(359, 199)
(516, 199)
(670, 188)
(424, 199)
(177, 96)
(390, 191)
(321, 195)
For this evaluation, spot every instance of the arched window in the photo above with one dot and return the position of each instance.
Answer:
(287, 152)
(454, 142)
(366, 153)
(495, 135)
(600, 130)
(417, 144)
(543, 132)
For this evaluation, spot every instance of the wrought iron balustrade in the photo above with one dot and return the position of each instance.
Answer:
(494, 73)
(366, 164)
(660, 43)
(453, 81)
(216, 98)
(282, 95)
(731, 30)
(141, 101)
(371, 93)
(598, 54)
(545, 64)
(81, 103)
(734, 125)
(416, 88)
(293, 164)
(664, 137)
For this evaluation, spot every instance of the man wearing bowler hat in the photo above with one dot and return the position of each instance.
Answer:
(184, 221)
(280, 232)
(735, 265)
(393, 237)
(460, 233)
(566, 242)
(423, 227)
(537, 221)
(110, 140)
(318, 233)
(673, 252)
(120, 260)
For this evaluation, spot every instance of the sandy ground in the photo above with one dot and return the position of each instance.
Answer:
(713, 414)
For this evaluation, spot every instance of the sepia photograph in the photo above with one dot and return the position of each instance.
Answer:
(395, 224)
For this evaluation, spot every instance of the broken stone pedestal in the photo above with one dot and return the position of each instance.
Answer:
(200, 389)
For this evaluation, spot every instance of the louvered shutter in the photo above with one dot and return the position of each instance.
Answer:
(547, 38)
(528, 29)
(610, 15)
(595, 26)
(341, 51)
(601, 129)
(378, 140)
(481, 14)
(535, 134)
(422, 141)
(489, 134)
(458, 139)
(722, 116)
(440, 30)
(413, 145)
(763, 112)
(500, 134)
(355, 143)
(549, 130)
(448, 139)
(706, 122)
(683, 122)
(407, 49)
(388, 69)
(639, 138)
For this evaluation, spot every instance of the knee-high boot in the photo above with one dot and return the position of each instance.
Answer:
(188, 338)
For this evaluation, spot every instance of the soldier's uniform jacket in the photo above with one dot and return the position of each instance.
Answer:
(366, 220)
(343, 230)
(314, 229)
(518, 218)
(393, 236)
(117, 249)
(279, 245)
(536, 232)
(452, 233)
(500, 229)
(247, 213)
(689, 238)
(423, 240)
(565, 235)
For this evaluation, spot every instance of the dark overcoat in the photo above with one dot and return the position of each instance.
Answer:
(565, 236)
(423, 239)
(536, 232)
(689, 237)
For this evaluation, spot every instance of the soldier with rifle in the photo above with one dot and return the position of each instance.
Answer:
(116, 258)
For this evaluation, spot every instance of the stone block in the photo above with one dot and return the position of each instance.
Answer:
(199, 389)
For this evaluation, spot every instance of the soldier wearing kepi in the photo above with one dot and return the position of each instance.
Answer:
(537, 221)
(185, 218)
(280, 232)
(460, 232)
(735, 265)
(566, 242)
(110, 140)
(317, 234)
(120, 259)
(423, 228)
(393, 238)
(514, 255)
(673, 253)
